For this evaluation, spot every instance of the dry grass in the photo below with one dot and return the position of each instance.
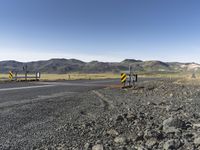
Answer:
(3, 76)
(183, 78)
(164, 75)
(72, 76)
(76, 76)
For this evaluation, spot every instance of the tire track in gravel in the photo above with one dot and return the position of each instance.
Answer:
(105, 103)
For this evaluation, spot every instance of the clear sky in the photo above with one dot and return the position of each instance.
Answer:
(104, 30)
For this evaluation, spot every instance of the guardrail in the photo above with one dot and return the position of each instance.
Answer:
(25, 77)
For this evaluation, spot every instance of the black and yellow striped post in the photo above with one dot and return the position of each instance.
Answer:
(123, 78)
(10, 75)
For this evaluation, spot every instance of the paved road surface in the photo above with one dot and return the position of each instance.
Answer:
(17, 92)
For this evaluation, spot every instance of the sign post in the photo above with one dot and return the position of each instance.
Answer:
(128, 77)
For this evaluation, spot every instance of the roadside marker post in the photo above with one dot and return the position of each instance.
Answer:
(128, 78)
(37, 76)
(10, 75)
(123, 78)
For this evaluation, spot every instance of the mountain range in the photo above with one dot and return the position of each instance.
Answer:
(61, 66)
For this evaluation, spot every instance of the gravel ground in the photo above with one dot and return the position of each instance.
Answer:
(160, 115)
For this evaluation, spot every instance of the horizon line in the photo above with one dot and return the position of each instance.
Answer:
(59, 58)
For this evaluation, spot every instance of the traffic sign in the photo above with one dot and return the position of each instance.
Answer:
(10, 75)
(123, 77)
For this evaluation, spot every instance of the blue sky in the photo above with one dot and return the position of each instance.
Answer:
(104, 30)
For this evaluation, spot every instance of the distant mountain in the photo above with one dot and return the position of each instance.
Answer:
(130, 61)
(156, 65)
(73, 65)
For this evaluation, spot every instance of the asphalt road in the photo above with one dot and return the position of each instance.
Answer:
(12, 93)
(17, 92)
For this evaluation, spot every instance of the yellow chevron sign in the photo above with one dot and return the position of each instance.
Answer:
(123, 77)
(10, 75)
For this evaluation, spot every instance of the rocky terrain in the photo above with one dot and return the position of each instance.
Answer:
(153, 115)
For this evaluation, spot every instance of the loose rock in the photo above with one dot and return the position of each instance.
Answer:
(120, 140)
(172, 144)
(171, 125)
(112, 132)
(151, 143)
(97, 147)
(197, 141)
